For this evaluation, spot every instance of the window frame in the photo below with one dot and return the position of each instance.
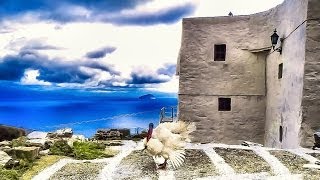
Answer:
(280, 71)
(220, 52)
(224, 104)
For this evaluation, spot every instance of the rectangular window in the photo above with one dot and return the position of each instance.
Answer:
(219, 52)
(280, 71)
(224, 104)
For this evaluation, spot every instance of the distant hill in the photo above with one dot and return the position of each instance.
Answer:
(147, 97)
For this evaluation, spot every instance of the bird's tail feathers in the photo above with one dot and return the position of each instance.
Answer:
(177, 158)
(191, 127)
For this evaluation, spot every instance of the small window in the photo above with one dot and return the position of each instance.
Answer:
(280, 71)
(280, 133)
(219, 52)
(224, 104)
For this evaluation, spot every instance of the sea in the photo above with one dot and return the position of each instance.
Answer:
(84, 115)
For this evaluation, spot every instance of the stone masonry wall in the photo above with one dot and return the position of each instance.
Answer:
(244, 122)
(311, 89)
(202, 80)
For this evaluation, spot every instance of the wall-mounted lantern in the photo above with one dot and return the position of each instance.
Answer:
(274, 41)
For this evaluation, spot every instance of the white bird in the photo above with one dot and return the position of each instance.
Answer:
(168, 140)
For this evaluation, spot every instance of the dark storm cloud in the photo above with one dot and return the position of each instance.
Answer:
(100, 53)
(12, 68)
(13, 7)
(108, 11)
(139, 77)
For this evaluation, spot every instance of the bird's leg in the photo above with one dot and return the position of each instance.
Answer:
(163, 165)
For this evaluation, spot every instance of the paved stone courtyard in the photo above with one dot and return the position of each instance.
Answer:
(203, 161)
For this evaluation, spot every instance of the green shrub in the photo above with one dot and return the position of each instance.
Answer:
(89, 150)
(21, 141)
(61, 148)
(6, 174)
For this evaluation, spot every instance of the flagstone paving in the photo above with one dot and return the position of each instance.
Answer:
(137, 165)
(78, 171)
(197, 165)
(203, 161)
(243, 160)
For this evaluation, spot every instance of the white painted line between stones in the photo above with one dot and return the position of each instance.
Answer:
(277, 167)
(305, 150)
(286, 177)
(49, 171)
(255, 176)
(107, 172)
(218, 162)
(305, 156)
(166, 175)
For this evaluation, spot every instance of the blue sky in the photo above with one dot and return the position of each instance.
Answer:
(99, 46)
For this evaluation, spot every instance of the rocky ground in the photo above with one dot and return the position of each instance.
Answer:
(203, 161)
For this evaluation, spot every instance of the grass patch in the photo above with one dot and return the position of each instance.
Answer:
(61, 148)
(40, 165)
(90, 150)
(243, 161)
(295, 164)
(16, 171)
(8, 174)
(21, 141)
(197, 165)
(82, 150)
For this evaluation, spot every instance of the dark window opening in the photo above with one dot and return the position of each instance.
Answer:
(280, 133)
(219, 52)
(280, 71)
(224, 104)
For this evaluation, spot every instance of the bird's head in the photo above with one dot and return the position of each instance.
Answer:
(150, 131)
(149, 134)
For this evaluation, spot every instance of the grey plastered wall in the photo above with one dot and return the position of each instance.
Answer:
(203, 80)
(311, 89)
(284, 95)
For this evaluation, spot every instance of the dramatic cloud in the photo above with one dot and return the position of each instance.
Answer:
(163, 16)
(100, 53)
(63, 43)
(119, 12)
(13, 7)
(143, 75)
(13, 68)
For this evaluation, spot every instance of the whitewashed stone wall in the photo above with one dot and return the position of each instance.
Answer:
(284, 95)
